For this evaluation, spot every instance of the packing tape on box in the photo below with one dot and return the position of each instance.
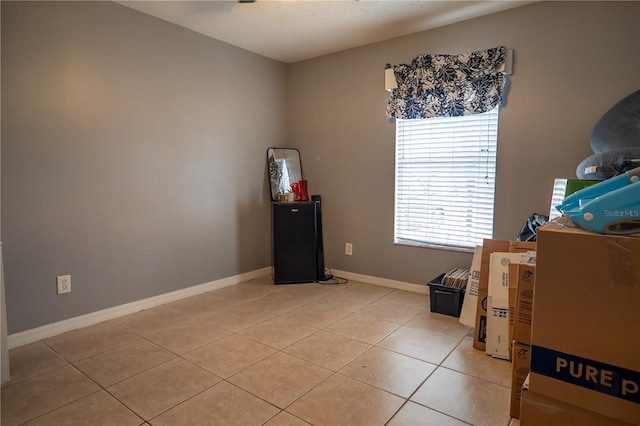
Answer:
(622, 266)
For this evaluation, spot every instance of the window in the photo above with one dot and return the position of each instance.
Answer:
(445, 180)
(557, 197)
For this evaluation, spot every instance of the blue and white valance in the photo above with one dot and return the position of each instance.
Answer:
(448, 85)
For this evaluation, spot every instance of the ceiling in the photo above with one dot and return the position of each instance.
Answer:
(295, 30)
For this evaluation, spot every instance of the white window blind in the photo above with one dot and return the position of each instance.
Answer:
(559, 190)
(445, 180)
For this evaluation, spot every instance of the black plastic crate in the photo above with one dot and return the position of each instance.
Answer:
(445, 299)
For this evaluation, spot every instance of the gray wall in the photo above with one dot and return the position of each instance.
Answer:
(133, 157)
(573, 61)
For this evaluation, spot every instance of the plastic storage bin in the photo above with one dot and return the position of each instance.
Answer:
(445, 299)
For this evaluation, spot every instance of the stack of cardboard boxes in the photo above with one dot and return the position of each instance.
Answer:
(585, 335)
(492, 322)
(521, 287)
(501, 271)
(572, 311)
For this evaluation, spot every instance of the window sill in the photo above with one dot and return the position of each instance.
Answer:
(433, 246)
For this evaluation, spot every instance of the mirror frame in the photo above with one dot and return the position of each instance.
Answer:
(275, 173)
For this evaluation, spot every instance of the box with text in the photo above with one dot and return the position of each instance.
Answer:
(585, 323)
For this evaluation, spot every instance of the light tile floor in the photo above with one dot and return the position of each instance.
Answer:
(258, 353)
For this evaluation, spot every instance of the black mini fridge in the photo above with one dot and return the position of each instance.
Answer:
(294, 242)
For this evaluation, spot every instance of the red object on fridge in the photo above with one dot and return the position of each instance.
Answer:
(302, 194)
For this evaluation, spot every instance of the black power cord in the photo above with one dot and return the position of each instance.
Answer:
(329, 278)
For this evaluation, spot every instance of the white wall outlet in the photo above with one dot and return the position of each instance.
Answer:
(64, 284)
(348, 249)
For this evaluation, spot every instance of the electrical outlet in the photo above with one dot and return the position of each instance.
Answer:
(348, 249)
(64, 284)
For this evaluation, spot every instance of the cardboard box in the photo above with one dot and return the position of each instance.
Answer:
(498, 343)
(537, 410)
(522, 286)
(470, 303)
(513, 271)
(499, 277)
(520, 370)
(515, 276)
(489, 246)
(585, 347)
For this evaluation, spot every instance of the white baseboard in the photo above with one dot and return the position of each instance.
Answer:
(53, 329)
(383, 282)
